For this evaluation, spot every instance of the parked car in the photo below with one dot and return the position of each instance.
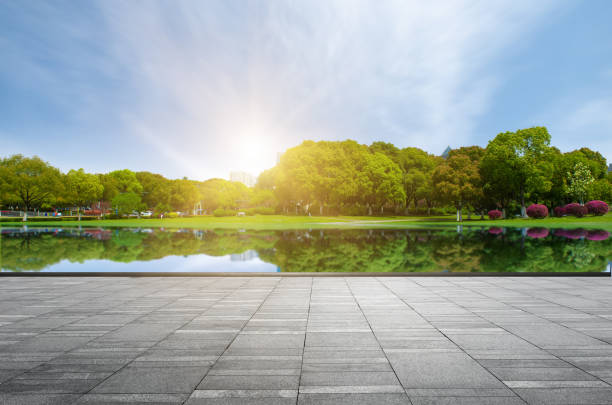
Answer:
(146, 213)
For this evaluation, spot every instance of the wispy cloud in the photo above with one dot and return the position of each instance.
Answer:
(197, 80)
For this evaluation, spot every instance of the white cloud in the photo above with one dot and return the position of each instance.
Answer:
(200, 80)
(587, 121)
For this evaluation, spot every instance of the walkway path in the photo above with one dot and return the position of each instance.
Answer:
(305, 340)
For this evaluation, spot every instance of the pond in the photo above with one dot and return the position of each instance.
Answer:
(498, 250)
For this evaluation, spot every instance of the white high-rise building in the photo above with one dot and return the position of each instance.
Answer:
(243, 177)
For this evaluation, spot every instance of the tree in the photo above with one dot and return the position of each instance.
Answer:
(518, 163)
(31, 182)
(417, 167)
(82, 188)
(383, 183)
(126, 203)
(457, 181)
(183, 195)
(579, 180)
(120, 181)
(155, 189)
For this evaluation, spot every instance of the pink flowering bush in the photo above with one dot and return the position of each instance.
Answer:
(559, 211)
(495, 230)
(597, 235)
(597, 207)
(537, 233)
(495, 214)
(537, 211)
(576, 210)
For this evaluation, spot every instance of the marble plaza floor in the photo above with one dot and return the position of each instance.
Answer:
(304, 340)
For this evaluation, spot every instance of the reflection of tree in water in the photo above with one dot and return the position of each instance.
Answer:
(414, 250)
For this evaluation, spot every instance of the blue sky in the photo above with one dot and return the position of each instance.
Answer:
(199, 88)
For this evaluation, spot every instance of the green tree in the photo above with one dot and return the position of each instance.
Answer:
(82, 188)
(126, 203)
(31, 182)
(518, 163)
(457, 181)
(183, 195)
(120, 181)
(579, 179)
(155, 188)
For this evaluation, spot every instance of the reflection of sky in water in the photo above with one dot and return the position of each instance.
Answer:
(170, 264)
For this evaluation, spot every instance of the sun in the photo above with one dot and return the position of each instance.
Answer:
(255, 153)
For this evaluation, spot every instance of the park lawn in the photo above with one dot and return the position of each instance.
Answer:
(280, 222)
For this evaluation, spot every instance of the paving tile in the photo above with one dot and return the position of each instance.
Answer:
(441, 370)
(153, 380)
(249, 382)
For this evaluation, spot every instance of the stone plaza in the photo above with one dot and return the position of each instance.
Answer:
(305, 340)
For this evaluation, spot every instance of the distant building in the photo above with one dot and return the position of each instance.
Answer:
(446, 152)
(243, 177)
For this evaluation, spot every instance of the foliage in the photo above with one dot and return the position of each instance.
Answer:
(83, 188)
(495, 214)
(126, 203)
(29, 182)
(579, 179)
(576, 210)
(220, 212)
(517, 164)
(559, 211)
(597, 207)
(457, 181)
(537, 211)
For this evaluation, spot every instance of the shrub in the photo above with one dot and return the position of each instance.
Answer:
(537, 233)
(495, 214)
(576, 210)
(264, 211)
(598, 235)
(559, 211)
(495, 230)
(537, 211)
(171, 215)
(220, 212)
(597, 207)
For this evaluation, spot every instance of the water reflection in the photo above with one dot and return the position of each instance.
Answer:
(409, 250)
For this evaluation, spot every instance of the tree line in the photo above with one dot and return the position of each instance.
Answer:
(336, 177)
(515, 168)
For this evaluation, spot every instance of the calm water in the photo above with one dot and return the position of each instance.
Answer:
(407, 250)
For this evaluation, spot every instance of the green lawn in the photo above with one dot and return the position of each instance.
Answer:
(302, 222)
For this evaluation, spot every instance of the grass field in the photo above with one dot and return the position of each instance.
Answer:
(301, 222)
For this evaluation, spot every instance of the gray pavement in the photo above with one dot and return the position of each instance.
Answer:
(304, 340)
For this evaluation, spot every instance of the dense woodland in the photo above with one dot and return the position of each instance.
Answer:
(331, 178)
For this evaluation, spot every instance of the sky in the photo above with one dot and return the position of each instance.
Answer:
(200, 88)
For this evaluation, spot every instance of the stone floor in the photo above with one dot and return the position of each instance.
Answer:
(305, 340)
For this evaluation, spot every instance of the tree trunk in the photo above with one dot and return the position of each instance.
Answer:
(79, 211)
(321, 209)
(369, 210)
(459, 215)
(523, 210)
